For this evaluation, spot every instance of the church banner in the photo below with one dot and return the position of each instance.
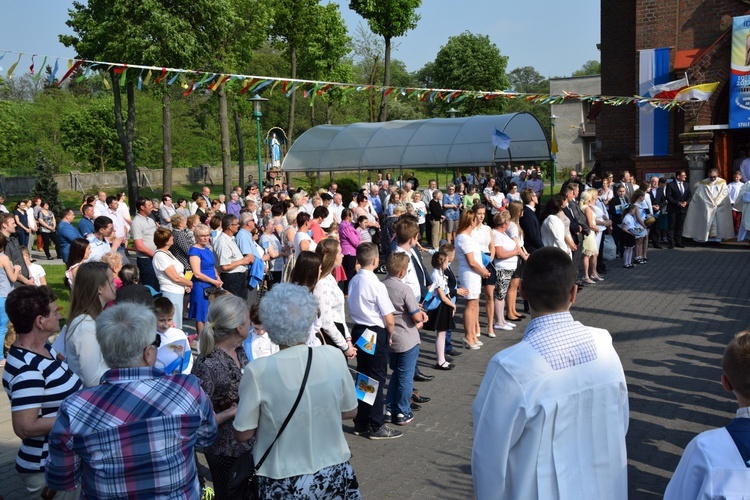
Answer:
(739, 79)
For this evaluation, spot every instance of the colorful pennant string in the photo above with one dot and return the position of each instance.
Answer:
(309, 88)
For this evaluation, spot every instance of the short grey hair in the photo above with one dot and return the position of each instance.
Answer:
(201, 230)
(123, 332)
(245, 217)
(287, 312)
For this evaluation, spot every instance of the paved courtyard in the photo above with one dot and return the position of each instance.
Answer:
(670, 320)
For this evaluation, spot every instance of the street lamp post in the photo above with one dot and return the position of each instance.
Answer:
(257, 103)
(554, 150)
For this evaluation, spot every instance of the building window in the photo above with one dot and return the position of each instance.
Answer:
(592, 151)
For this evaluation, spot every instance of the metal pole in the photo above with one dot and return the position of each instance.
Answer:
(260, 158)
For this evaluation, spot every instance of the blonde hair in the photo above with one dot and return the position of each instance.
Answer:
(225, 314)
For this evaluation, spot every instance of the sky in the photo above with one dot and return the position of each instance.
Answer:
(553, 37)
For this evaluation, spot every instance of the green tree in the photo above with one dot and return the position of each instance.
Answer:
(90, 135)
(293, 23)
(471, 62)
(148, 32)
(322, 57)
(527, 80)
(589, 68)
(389, 19)
(45, 186)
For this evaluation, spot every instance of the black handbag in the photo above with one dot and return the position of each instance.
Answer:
(208, 291)
(243, 483)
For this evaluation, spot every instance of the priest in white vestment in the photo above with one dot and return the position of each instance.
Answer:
(551, 415)
(716, 463)
(709, 215)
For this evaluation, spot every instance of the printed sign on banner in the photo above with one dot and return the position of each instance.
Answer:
(739, 78)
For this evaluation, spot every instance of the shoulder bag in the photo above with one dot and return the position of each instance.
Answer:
(243, 481)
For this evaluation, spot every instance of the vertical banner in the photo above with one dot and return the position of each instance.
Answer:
(739, 78)
(653, 123)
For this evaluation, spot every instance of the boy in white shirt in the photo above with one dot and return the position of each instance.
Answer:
(716, 463)
(371, 311)
(258, 344)
(36, 272)
(174, 355)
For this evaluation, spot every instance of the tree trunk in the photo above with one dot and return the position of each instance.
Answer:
(226, 159)
(312, 114)
(386, 81)
(166, 126)
(329, 109)
(293, 64)
(240, 146)
(122, 134)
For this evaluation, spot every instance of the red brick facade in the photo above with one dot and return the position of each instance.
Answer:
(626, 28)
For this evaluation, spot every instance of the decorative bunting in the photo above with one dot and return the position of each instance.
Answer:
(13, 66)
(312, 88)
(39, 73)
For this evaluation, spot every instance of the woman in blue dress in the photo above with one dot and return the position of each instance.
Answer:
(203, 264)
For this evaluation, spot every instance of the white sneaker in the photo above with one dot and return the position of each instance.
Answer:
(512, 325)
(505, 327)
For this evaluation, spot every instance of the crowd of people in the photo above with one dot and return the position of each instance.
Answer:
(268, 275)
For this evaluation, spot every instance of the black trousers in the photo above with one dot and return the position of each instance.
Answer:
(676, 222)
(235, 283)
(374, 366)
(46, 237)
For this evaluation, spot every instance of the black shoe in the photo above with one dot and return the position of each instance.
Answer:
(421, 377)
(418, 398)
(680, 245)
(361, 430)
(385, 432)
(446, 366)
(452, 352)
(49, 257)
(671, 246)
(580, 284)
(656, 245)
(415, 407)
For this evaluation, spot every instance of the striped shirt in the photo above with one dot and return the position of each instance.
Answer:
(33, 381)
(134, 435)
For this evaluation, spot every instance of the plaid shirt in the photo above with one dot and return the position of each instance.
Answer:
(132, 436)
(560, 340)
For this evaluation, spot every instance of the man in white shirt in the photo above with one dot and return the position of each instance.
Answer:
(100, 206)
(118, 224)
(98, 244)
(551, 414)
(2, 205)
(337, 207)
(229, 258)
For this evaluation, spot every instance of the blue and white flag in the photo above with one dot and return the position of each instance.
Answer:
(500, 140)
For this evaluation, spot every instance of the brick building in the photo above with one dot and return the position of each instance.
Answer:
(698, 34)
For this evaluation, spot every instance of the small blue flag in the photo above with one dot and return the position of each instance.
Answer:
(500, 140)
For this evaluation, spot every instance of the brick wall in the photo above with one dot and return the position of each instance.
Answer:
(680, 25)
(616, 125)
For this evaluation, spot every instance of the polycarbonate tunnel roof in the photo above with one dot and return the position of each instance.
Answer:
(432, 143)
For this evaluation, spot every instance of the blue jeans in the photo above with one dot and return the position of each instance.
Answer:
(448, 346)
(3, 325)
(403, 365)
